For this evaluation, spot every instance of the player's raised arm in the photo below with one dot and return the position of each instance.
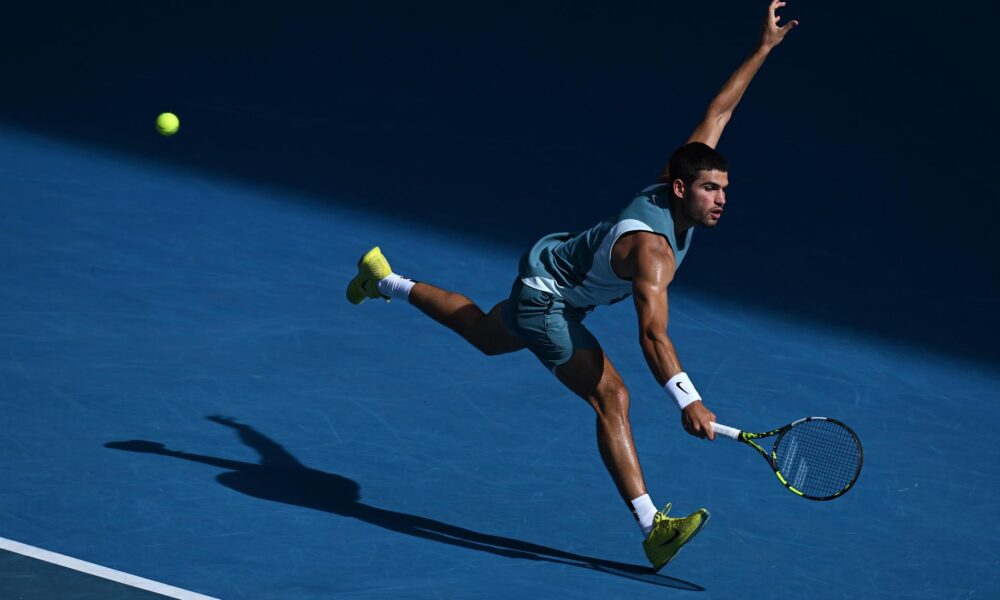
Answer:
(652, 268)
(720, 110)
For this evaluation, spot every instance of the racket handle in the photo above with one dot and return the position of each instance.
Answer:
(723, 430)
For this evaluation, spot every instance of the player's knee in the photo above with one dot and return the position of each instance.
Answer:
(489, 349)
(613, 403)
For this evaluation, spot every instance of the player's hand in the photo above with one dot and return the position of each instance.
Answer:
(138, 446)
(771, 33)
(227, 421)
(697, 420)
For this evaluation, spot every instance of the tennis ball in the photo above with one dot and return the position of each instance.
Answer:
(167, 123)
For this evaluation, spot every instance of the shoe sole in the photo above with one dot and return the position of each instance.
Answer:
(359, 278)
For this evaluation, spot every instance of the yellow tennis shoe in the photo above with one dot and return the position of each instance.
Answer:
(670, 534)
(372, 268)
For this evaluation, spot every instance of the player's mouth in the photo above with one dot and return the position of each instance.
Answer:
(716, 214)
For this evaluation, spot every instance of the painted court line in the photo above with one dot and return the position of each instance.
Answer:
(99, 571)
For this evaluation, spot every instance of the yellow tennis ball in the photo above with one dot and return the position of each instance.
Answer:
(167, 124)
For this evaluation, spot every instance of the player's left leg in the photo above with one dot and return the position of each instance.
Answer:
(486, 331)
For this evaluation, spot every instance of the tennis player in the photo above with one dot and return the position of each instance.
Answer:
(566, 275)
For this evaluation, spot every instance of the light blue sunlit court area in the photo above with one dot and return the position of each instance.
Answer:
(191, 408)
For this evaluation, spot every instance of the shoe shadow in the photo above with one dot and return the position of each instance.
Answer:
(280, 477)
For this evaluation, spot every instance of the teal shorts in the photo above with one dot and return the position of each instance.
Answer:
(550, 328)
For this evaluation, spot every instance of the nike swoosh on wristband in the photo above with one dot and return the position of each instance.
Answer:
(678, 384)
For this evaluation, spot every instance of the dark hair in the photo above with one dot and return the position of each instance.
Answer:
(690, 159)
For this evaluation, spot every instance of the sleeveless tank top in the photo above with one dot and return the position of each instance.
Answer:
(577, 266)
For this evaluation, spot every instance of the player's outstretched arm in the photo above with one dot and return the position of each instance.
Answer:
(651, 266)
(720, 110)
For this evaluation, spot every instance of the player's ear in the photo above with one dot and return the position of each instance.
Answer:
(678, 188)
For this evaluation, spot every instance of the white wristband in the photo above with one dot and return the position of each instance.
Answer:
(681, 390)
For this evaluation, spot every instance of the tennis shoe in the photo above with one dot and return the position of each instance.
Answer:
(372, 268)
(669, 535)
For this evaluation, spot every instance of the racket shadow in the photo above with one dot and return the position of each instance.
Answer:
(280, 477)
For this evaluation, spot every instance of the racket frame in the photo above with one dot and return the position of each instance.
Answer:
(748, 438)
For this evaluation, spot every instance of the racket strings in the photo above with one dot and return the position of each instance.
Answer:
(819, 458)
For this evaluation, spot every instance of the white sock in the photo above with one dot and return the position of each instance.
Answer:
(395, 287)
(643, 510)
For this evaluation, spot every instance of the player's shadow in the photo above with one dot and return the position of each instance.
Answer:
(280, 477)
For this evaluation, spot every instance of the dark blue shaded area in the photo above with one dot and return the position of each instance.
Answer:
(860, 156)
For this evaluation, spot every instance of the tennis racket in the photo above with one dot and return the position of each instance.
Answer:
(816, 457)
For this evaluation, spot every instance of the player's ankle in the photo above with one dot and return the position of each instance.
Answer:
(644, 512)
(395, 287)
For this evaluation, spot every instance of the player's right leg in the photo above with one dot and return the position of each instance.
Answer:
(590, 375)
(486, 331)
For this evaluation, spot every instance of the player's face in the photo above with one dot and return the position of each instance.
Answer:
(705, 199)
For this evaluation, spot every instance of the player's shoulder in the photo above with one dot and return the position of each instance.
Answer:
(650, 245)
(646, 252)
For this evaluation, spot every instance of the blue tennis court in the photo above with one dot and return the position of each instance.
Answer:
(187, 397)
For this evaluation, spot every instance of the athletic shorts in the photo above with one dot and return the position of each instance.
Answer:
(550, 328)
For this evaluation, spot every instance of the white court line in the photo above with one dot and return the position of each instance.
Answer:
(99, 571)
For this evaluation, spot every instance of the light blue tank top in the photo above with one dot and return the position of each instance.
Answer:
(577, 266)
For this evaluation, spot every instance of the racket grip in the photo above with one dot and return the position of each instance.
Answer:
(726, 431)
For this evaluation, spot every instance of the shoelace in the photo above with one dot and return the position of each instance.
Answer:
(662, 515)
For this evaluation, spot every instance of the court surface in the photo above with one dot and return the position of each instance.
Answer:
(188, 398)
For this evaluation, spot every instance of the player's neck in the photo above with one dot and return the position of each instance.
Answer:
(681, 224)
